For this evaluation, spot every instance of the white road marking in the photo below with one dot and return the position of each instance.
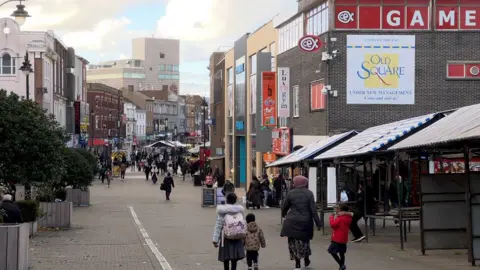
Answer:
(161, 259)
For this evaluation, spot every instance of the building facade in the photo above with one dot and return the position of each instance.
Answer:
(141, 125)
(144, 104)
(106, 117)
(246, 139)
(130, 110)
(155, 65)
(403, 59)
(217, 111)
(195, 119)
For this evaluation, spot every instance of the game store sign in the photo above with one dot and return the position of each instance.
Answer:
(442, 15)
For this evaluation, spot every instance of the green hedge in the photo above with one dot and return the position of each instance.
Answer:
(29, 209)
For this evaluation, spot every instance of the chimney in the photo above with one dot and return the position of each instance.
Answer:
(130, 88)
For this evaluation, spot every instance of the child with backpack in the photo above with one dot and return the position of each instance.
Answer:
(340, 223)
(229, 232)
(253, 241)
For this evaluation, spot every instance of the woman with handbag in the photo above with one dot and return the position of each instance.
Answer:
(167, 185)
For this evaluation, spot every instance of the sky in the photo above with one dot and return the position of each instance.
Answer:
(102, 30)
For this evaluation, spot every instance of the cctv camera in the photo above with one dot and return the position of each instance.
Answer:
(336, 52)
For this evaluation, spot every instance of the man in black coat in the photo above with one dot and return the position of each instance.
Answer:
(11, 212)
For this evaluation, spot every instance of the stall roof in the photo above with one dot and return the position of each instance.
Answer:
(374, 138)
(156, 144)
(461, 125)
(312, 149)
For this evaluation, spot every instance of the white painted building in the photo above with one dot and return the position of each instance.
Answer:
(130, 126)
(141, 124)
(40, 45)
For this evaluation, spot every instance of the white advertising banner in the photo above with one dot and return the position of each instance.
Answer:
(381, 69)
(253, 94)
(283, 92)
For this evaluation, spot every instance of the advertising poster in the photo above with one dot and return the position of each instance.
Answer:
(284, 92)
(269, 99)
(281, 141)
(381, 69)
(447, 166)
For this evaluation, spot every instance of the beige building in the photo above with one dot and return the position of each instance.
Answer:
(263, 39)
(155, 65)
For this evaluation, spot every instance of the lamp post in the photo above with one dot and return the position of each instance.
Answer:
(20, 14)
(94, 125)
(204, 108)
(174, 138)
(26, 68)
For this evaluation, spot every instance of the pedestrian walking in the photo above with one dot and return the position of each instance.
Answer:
(154, 177)
(123, 170)
(109, 176)
(265, 187)
(229, 232)
(10, 211)
(147, 171)
(209, 181)
(300, 213)
(340, 223)
(357, 215)
(170, 169)
(254, 240)
(229, 187)
(167, 186)
(254, 194)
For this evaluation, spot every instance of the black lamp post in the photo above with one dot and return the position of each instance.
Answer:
(20, 14)
(174, 139)
(204, 113)
(26, 68)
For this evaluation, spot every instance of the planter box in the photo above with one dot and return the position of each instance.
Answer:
(56, 215)
(33, 228)
(78, 197)
(15, 241)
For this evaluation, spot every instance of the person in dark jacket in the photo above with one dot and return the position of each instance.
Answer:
(11, 212)
(254, 193)
(279, 184)
(168, 184)
(357, 215)
(229, 187)
(299, 212)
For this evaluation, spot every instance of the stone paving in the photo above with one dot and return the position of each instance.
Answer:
(105, 236)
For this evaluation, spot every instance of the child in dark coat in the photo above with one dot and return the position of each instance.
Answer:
(340, 223)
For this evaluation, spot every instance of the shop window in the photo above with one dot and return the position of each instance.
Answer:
(317, 99)
(296, 101)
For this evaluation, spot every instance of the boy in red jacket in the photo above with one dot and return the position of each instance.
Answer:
(340, 223)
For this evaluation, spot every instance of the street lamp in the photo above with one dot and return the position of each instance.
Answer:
(26, 68)
(174, 138)
(204, 108)
(20, 14)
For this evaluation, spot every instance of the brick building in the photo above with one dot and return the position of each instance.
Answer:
(106, 115)
(379, 61)
(194, 118)
(217, 111)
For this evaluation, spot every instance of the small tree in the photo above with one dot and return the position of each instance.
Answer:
(30, 141)
(78, 170)
(91, 159)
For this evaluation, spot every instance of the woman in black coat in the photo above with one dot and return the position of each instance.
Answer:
(300, 213)
(167, 185)
(254, 194)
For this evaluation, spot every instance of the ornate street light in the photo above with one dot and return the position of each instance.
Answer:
(20, 14)
(26, 68)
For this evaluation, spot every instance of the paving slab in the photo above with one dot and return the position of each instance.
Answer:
(177, 234)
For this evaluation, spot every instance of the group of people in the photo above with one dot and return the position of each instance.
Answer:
(263, 192)
(237, 237)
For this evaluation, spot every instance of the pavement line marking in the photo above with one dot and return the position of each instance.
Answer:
(161, 259)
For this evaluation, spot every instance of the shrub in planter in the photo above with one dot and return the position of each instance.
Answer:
(29, 209)
(78, 171)
(91, 159)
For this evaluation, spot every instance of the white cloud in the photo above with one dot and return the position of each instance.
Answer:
(209, 24)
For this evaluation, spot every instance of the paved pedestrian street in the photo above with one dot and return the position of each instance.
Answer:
(131, 226)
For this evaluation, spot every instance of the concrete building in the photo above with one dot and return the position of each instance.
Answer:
(344, 86)
(106, 122)
(155, 65)
(217, 111)
(245, 139)
(168, 113)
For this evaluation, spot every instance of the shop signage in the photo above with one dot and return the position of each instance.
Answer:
(240, 68)
(417, 15)
(239, 125)
(380, 69)
(37, 45)
(282, 141)
(310, 43)
(469, 70)
(283, 92)
(76, 106)
(269, 99)
(269, 157)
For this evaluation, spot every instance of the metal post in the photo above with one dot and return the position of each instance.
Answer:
(204, 138)
(365, 199)
(28, 86)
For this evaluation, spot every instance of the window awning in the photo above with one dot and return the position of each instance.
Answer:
(312, 150)
(378, 137)
(461, 125)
